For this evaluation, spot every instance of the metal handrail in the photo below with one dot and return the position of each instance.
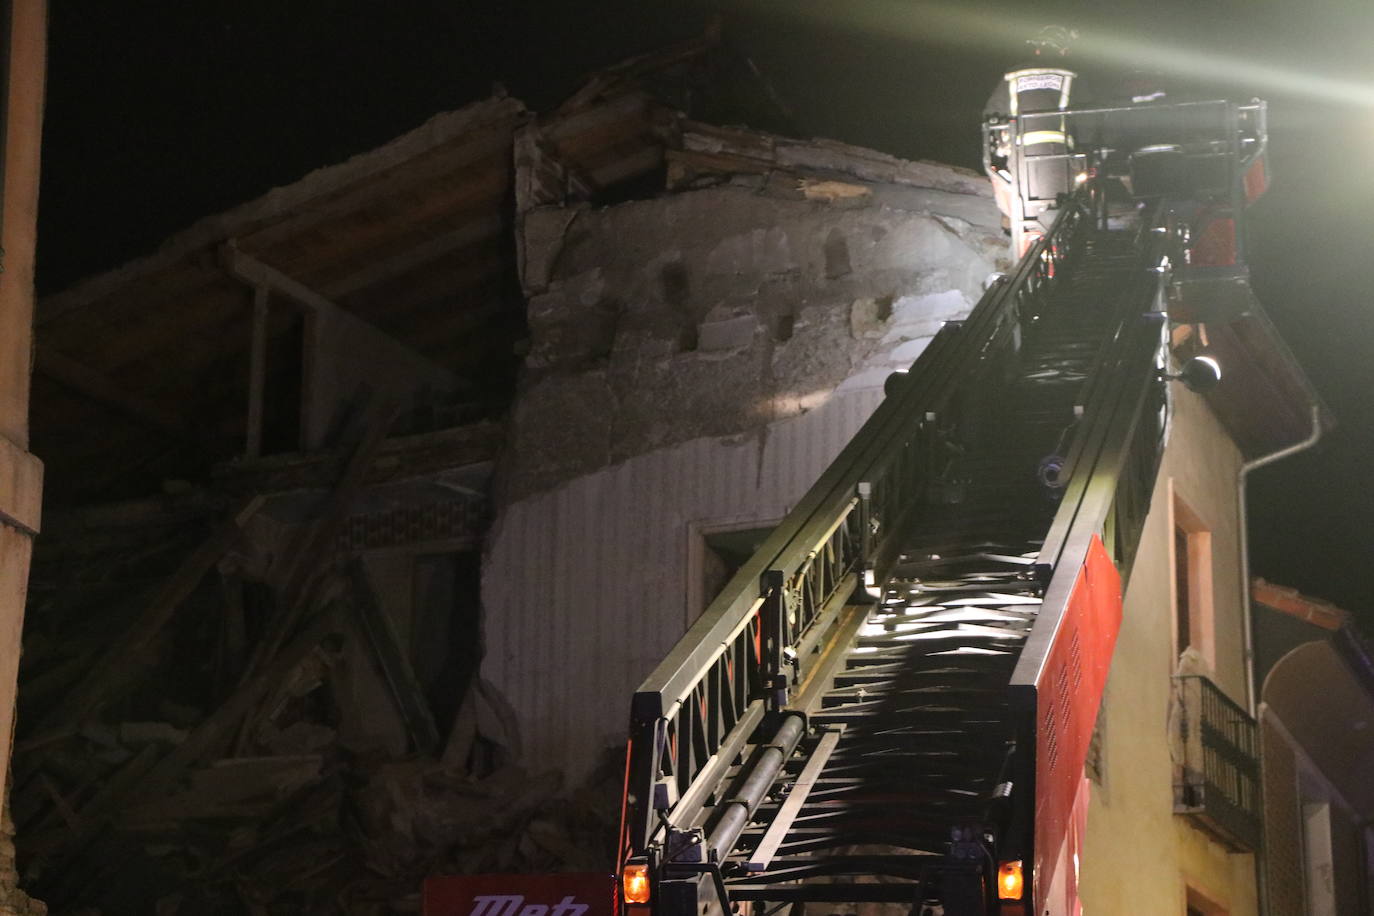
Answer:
(1111, 468)
(1217, 779)
(1105, 452)
(692, 716)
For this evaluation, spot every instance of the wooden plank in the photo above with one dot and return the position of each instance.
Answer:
(315, 543)
(736, 141)
(100, 388)
(419, 255)
(218, 726)
(140, 346)
(398, 458)
(233, 648)
(45, 841)
(116, 669)
(143, 779)
(432, 211)
(109, 300)
(453, 158)
(62, 806)
(685, 166)
(444, 143)
(257, 372)
(394, 662)
(259, 275)
(494, 326)
(457, 286)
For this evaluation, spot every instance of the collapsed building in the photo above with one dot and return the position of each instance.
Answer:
(370, 501)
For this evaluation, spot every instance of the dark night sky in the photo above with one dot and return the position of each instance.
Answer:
(159, 113)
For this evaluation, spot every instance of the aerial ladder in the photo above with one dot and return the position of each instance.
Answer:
(891, 701)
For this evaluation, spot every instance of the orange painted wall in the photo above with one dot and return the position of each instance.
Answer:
(21, 474)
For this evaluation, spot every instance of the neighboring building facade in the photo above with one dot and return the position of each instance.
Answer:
(1176, 807)
(24, 30)
(695, 358)
(1135, 844)
(1316, 714)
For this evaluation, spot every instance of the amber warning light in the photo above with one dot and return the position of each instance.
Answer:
(1009, 881)
(634, 882)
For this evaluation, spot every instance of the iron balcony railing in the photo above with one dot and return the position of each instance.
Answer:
(1216, 779)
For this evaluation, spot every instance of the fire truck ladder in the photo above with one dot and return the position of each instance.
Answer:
(895, 694)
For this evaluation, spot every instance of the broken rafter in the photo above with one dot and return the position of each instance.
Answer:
(314, 546)
(380, 270)
(152, 778)
(394, 662)
(442, 145)
(427, 168)
(422, 455)
(636, 67)
(257, 372)
(98, 387)
(264, 278)
(118, 667)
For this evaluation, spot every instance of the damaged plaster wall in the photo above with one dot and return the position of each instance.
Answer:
(696, 360)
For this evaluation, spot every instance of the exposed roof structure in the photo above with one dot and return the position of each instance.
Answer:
(144, 372)
(1294, 603)
(152, 371)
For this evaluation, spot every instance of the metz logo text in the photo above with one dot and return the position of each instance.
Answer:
(514, 905)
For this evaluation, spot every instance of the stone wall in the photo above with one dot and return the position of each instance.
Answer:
(716, 312)
(695, 362)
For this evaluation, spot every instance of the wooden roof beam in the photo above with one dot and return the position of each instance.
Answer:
(376, 272)
(257, 275)
(98, 387)
(333, 340)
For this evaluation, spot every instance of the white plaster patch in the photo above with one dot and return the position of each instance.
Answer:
(760, 251)
(915, 313)
(590, 286)
(867, 379)
(905, 354)
(729, 334)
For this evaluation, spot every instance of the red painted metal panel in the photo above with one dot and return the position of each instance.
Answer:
(576, 894)
(1256, 180)
(1215, 244)
(1067, 698)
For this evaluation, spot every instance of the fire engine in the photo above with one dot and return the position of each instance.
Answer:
(891, 701)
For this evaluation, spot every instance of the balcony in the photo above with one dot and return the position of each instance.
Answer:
(1216, 765)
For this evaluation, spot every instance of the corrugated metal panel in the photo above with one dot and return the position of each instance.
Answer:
(584, 586)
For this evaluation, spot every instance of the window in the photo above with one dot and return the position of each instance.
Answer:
(715, 552)
(1200, 904)
(1192, 586)
(1182, 590)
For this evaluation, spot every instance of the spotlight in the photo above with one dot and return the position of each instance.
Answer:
(1199, 374)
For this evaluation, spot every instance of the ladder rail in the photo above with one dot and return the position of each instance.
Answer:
(1104, 511)
(743, 647)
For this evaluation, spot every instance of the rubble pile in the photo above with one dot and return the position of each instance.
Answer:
(199, 711)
